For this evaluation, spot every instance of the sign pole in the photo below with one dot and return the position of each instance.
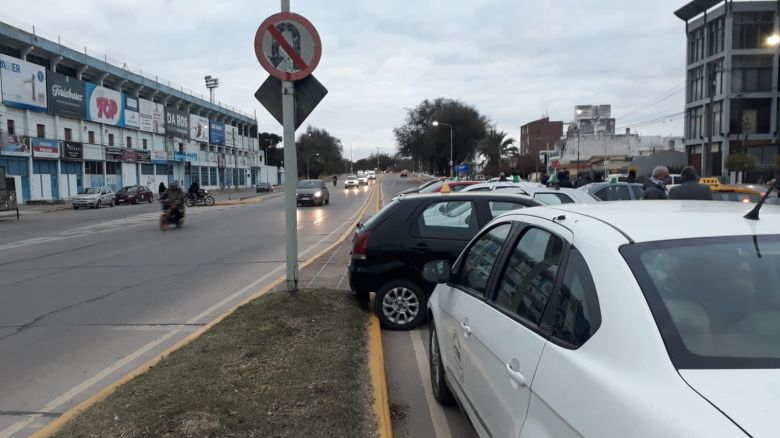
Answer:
(290, 178)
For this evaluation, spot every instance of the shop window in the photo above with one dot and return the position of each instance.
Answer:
(110, 139)
(68, 134)
(91, 137)
(41, 131)
(11, 126)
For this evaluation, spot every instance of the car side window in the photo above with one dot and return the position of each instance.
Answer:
(501, 207)
(447, 220)
(578, 315)
(553, 198)
(480, 258)
(528, 278)
(614, 193)
(638, 192)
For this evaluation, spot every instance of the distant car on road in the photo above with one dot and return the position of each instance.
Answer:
(617, 191)
(362, 179)
(404, 174)
(312, 191)
(351, 181)
(264, 187)
(94, 197)
(601, 321)
(390, 249)
(133, 195)
(371, 174)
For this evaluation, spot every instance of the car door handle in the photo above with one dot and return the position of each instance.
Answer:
(516, 376)
(466, 329)
(421, 248)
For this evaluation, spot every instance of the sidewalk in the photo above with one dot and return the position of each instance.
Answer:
(327, 272)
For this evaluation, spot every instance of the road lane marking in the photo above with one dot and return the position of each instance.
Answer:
(55, 425)
(440, 426)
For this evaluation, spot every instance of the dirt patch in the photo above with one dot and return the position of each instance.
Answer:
(280, 366)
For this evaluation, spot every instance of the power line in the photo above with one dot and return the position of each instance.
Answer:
(668, 94)
(662, 119)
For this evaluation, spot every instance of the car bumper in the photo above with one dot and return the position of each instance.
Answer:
(311, 200)
(85, 203)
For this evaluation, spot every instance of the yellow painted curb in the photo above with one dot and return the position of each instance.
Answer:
(376, 366)
(73, 412)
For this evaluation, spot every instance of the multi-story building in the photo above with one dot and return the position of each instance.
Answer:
(731, 83)
(69, 121)
(539, 135)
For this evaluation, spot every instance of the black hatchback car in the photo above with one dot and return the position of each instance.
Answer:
(390, 249)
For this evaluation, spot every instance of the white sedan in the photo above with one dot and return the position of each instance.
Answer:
(601, 320)
(351, 181)
(362, 179)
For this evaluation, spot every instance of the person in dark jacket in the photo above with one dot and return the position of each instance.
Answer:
(631, 176)
(690, 188)
(655, 187)
(161, 189)
(563, 180)
(502, 177)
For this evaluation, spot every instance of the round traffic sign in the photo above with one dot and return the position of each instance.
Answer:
(288, 46)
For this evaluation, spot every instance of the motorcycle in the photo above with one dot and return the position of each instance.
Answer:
(173, 215)
(203, 198)
(335, 182)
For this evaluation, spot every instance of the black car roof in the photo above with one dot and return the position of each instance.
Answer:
(469, 196)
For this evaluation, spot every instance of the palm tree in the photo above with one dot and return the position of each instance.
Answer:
(493, 147)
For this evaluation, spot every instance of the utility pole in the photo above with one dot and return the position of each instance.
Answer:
(291, 172)
(377, 158)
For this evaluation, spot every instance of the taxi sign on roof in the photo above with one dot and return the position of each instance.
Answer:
(710, 181)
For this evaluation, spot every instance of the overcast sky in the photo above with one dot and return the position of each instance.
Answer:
(514, 60)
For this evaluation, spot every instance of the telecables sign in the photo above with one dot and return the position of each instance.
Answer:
(216, 132)
(45, 148)
(177, 123)
(66, 95)
(105, 106)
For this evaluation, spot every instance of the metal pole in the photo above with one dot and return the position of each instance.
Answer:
(307, 167)
(578, 151)
(710, 124)
(452, 163)
(291, 172)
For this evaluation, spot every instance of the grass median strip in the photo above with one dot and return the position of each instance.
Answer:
(279, 366)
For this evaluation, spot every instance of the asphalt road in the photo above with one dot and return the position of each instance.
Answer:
(416, 412)
(88, 295)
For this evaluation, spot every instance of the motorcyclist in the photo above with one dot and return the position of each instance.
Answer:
(173, 196)
(194, 190)
(335, 180)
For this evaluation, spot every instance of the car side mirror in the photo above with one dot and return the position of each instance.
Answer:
(438, 271)
(443, 209)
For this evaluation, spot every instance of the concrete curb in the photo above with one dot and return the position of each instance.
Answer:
(376, 365)
(73, 412)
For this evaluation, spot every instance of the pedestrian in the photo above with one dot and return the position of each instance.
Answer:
(545, 178)
(690, 188)
(501, 177)
(161, 189)
(631, 176)
(563, 180)
(655, 187)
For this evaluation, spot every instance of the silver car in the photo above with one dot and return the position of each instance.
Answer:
(94, 197)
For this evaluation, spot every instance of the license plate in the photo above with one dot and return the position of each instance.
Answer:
(305, 198)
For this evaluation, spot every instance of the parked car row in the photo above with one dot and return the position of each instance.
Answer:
(97, 197)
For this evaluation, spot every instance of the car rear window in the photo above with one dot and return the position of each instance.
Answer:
(553, 198)
(380, 216)
(614, 193)
(715, 300)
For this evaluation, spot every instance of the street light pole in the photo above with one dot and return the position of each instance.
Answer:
(452, 161)
(307, 164)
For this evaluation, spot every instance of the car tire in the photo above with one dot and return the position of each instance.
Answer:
(75, 208)
(99, 204)
(327, 200)
(400, 305)
(441, 391)
(111, 204)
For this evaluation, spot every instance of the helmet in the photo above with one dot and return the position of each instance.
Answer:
(174, 185)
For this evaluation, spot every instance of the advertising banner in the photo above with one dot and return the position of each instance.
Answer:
(105, 106)
(199, 128)
(159, 157)
(24, 83)
(216, 132)
(132, 116)
(129, 155)
(66, 95)
(72, 150)
(113, 154)
(177, 123)
(45, 148)
(17, 145)
(151, 116)
(230, 135)
(144, 156)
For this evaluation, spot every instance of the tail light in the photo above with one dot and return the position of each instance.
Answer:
(360, 245)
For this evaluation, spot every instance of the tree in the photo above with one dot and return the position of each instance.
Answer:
(493, 147)
(740, 163)
(430, 145)
(319, 141)
(270, 141)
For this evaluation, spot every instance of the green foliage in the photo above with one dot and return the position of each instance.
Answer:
(740, 162)
(494, 146)
(423, 142)
(319, 141)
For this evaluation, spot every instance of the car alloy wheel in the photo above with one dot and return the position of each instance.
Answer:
(441, 392)
(400, 305)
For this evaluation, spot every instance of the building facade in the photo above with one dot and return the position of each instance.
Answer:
(69, 121)
(731, 84)
(539, 135)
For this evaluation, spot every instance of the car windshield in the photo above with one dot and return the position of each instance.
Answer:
(432, 188)
(715, 300)
(91, 191)
(309, 184)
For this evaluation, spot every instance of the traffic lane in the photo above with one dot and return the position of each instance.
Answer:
(417, 413)
(108, 295)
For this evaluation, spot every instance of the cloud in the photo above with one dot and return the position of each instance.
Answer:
(513, 60)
